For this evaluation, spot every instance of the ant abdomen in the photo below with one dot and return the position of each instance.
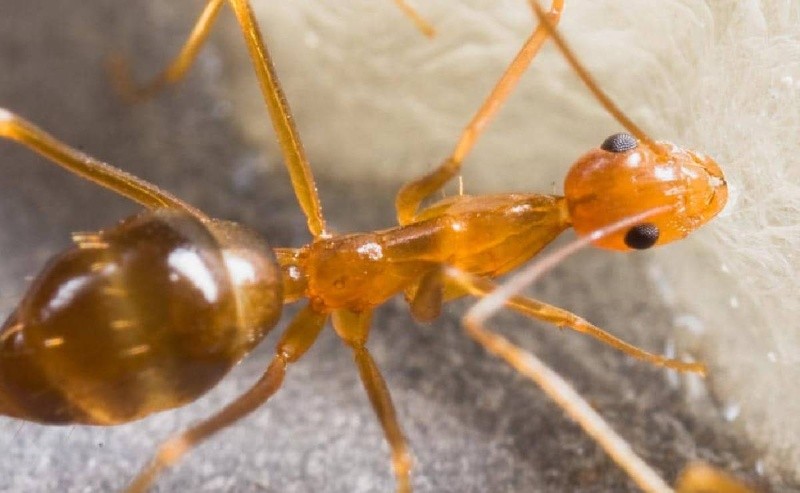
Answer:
(139, 318)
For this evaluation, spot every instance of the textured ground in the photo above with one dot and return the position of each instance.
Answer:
(473, 424)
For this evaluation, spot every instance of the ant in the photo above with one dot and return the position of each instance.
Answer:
(150, 314)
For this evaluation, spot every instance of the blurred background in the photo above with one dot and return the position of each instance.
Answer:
(376, 104)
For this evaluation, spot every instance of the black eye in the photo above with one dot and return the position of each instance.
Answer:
(620, 142)
(642, 237)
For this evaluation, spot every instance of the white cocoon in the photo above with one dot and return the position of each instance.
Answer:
(375, 100)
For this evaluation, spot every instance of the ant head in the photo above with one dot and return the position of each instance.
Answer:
(622, 178)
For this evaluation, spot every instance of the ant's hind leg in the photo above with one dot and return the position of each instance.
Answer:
(296, 340)
(19, 130)
(353, 328)
(176, 70)
(413, 193)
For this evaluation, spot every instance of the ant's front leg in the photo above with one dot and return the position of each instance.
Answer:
(696, 478)
(481, 288)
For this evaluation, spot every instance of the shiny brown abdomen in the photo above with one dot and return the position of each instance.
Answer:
(136, 319)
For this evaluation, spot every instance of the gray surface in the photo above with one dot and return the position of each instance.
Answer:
(473, 424)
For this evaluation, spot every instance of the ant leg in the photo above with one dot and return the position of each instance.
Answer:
(422, 25)
(702, 478)
(297, 339)
(562, 393)
(413, 193)
(426, 303)
(353, 328)
(482, 288)
(695, 478)
(23, 132)
(382, 404)
(296, 162)
(176, 70)
(299, 171)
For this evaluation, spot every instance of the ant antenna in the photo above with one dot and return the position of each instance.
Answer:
(587, 79)
(425, 27)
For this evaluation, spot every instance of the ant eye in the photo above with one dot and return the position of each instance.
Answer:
(620, 142)
(642, 237)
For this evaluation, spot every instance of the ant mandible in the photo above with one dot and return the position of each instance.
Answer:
(150, 314)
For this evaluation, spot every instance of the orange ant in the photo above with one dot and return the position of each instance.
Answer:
(150, 314)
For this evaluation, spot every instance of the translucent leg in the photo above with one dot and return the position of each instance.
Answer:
(353, 329)
(297, 339)
(493, 298)
(302, 179)
(561, 318)
(423, 25)
(427, 302)
(562, 393)
(413, 193)
(694, 480)
(180, 65)
(176, 70)
(299, 170)
(19, 130)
